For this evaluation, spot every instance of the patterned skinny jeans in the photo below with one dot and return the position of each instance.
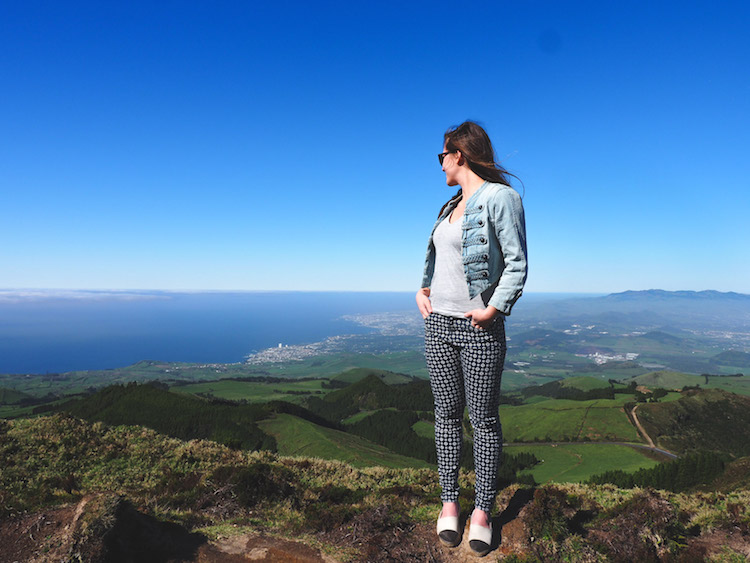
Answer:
(466, 365)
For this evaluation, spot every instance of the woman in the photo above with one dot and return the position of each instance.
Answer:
(474, 273)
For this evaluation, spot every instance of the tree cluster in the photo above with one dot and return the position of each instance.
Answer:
(679, 475)
(393, 429)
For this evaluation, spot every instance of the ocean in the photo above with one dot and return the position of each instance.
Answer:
(59, 331)
(55, 332)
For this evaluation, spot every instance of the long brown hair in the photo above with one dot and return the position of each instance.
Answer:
(475, 146)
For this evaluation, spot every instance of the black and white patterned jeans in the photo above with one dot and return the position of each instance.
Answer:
(466, 366)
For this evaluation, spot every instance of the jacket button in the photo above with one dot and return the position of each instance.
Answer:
(480, 207)
(485, 274)
(485, 256)
(481, 223)
(483, 240)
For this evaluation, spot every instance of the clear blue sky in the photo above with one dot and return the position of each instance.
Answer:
(291, 145)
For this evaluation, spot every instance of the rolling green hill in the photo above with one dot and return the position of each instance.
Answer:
(711, 419)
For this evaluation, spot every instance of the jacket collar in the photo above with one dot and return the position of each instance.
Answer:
(453, 202)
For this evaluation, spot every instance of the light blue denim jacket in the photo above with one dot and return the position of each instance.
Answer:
(493, 247)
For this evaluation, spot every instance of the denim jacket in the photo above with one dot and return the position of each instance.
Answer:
(493, 247)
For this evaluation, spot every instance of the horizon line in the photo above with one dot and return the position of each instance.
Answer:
(20, 291)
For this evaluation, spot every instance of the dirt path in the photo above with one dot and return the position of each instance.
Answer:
(645, 435)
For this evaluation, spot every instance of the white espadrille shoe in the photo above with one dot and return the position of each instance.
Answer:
(447, 530)
(480, 539)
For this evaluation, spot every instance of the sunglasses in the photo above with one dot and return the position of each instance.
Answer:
(441, 156)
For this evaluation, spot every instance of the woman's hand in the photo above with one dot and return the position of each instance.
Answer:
(482, 318)
(423, 302)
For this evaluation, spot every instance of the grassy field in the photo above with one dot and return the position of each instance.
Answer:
(569, 462)
(577, 462)
(553, 420)
(563, 420)
(739, 385)
(255, 392)
(424, 429)
(298, 437)
(14, 411)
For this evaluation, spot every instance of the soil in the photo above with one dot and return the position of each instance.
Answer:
(27, 537)
(251, 547)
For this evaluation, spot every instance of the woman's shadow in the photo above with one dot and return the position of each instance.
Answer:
(520, 498)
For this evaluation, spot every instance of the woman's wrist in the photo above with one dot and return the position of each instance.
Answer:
(492, 311)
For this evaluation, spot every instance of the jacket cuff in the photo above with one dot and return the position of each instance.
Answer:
(503, 303)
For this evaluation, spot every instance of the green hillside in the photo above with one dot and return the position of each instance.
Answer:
(736, 477)
(712, 420)
(299, 437)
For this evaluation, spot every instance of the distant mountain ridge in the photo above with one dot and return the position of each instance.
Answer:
(651, 294)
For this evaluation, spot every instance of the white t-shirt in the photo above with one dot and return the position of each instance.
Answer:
(449, 291)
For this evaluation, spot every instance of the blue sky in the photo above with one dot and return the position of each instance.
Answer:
(291, 145)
